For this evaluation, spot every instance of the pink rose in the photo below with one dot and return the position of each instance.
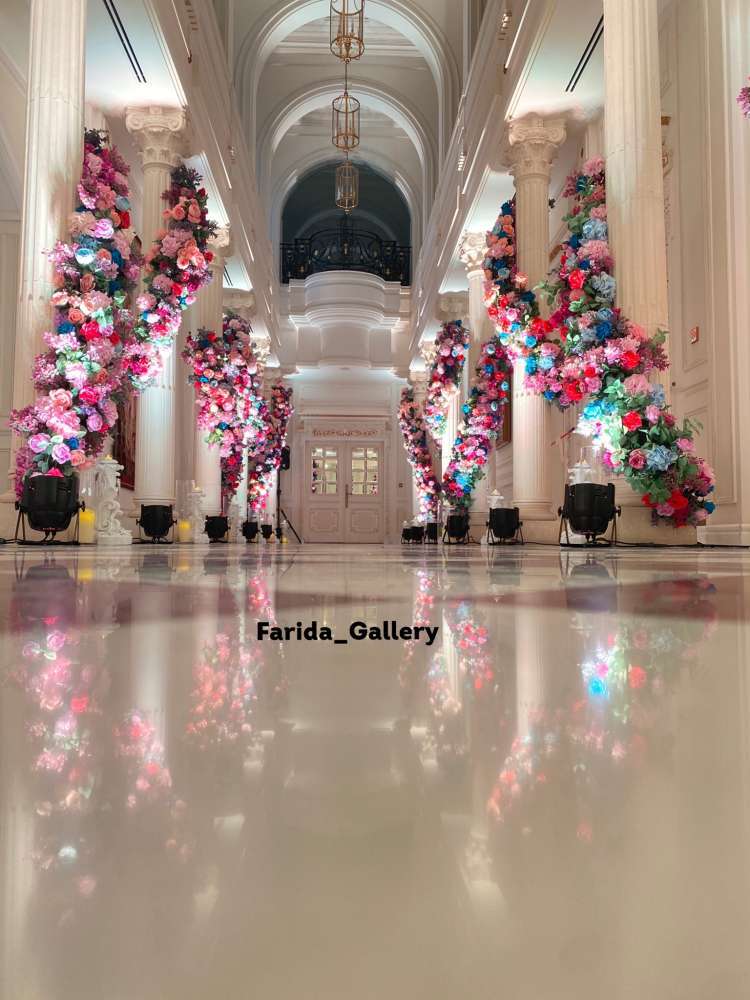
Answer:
(94, 422)
(637, 385)
(103, 229)
(686, 445)
(39, 443)
(637, 459)
(61, 453)
(178, 213)
(652, 414)
(77, 458)
(61, 399)
(194, 214)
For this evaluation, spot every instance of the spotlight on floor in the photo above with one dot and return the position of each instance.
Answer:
(456, 529)
(431, 533)
(504, 526)
(266, 530)
(588, 509)
(216, 528)
(250, 530)
(156, 521)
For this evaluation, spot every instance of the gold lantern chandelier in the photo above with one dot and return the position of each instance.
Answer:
(347, 29)
(347, 186)
(345, 123)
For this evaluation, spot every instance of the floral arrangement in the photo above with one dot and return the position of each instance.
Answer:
(223, 696)
(743, 99)
(412, 424)
(265, 451)
(589, 351)
(90, 356)
(482, 423)
(225, 374)
(451, 348)
(177, 267)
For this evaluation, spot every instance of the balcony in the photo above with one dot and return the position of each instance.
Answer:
(345, 249)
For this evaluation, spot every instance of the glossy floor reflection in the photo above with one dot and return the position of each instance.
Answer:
(551, 801)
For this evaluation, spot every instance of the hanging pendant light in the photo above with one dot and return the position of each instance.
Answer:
(347, 29)
(345, 131)
(347, 186)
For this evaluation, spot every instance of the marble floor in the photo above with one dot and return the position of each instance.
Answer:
(548, 797)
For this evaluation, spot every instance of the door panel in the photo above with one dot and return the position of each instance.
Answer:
(344, 497)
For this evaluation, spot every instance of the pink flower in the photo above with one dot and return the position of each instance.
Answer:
(652, 414)
(103, 229)
(76, 374)
(178, 213)
(61, 399)
(686, 445)
(39, 443)
(637, 459)
(61, 453)
(94, 422)
(637, 385)
(77, 458)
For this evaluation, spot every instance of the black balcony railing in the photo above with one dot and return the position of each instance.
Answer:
(345, 249)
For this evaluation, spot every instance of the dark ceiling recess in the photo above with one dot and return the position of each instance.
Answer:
(588, 52)
(109, 6)
(311, 208)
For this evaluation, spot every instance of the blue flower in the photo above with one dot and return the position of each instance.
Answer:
(72, 443)
(581, 183)
(605, 286)
(595, 229)
(65, 328)
(585, 264)
(657, 395)
(530, 366)
(574, 242)
(546, 362)
(709, 506)
(549, 394)
(530, 341)
(605, 315)
(592, 410)
(603, 330)
(659, 458)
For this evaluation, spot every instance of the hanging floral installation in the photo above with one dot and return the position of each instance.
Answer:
(265, 451)
(743, 99)
(451, 348)
(224, 371)
(411, 422)
(481, 426)
(91, 353)
(588, 351)
(177, 267)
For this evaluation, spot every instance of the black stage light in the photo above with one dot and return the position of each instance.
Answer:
(431, 533)
(406, 534)
(456, 529)
(156, 520)
(49, 503)
(250, 530)
(588, 509)
(217, 526)
(504, 526)
(417, 533)
(266, 530)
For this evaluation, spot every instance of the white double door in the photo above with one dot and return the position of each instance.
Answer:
(344, 493)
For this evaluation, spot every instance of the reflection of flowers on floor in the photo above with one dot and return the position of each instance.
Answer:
(223, 696)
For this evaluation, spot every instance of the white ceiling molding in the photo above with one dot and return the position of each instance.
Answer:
(265, 35)
(310, 99)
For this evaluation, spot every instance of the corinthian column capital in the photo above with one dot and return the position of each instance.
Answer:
(220, 245)
(472, 251)
(532, 144)
(158, 132)
(452, 306)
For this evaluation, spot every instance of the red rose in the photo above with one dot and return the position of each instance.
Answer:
(176, 289)
(573, 393)
(589, 371)
(125, 220)
(576, 279)
(114, 338)
(647, 501)
(208, 256)
(678, 500)
(630, 360)
(89, 395)
(90, 330)
(632, 420)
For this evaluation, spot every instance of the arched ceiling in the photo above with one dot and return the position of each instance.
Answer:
(310, 205)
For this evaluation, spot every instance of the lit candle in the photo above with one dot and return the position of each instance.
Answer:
(87, 527)
(184, 531)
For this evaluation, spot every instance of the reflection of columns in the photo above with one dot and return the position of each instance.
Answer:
(473, 251)
(533, 143)
(54, 153)
(158, 133)
(633, 142)
(210, 317)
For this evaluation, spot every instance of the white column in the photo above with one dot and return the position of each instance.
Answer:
(210, 317)
(633, 143)
(472, 252)
(159, 134)
(533, 144)
(54, 154)
(453, 306)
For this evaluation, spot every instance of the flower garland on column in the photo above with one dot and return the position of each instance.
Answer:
(265, 452)
(224, 373)
(411, 422)
(83, 374)
(743, 99)
(177, 268)
(452, 346)
(588, 349)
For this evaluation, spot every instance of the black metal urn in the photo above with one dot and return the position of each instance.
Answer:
(217, 526)
(49, 502)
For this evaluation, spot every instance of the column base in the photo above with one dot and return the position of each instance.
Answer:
(725, 534)
(636, 528)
